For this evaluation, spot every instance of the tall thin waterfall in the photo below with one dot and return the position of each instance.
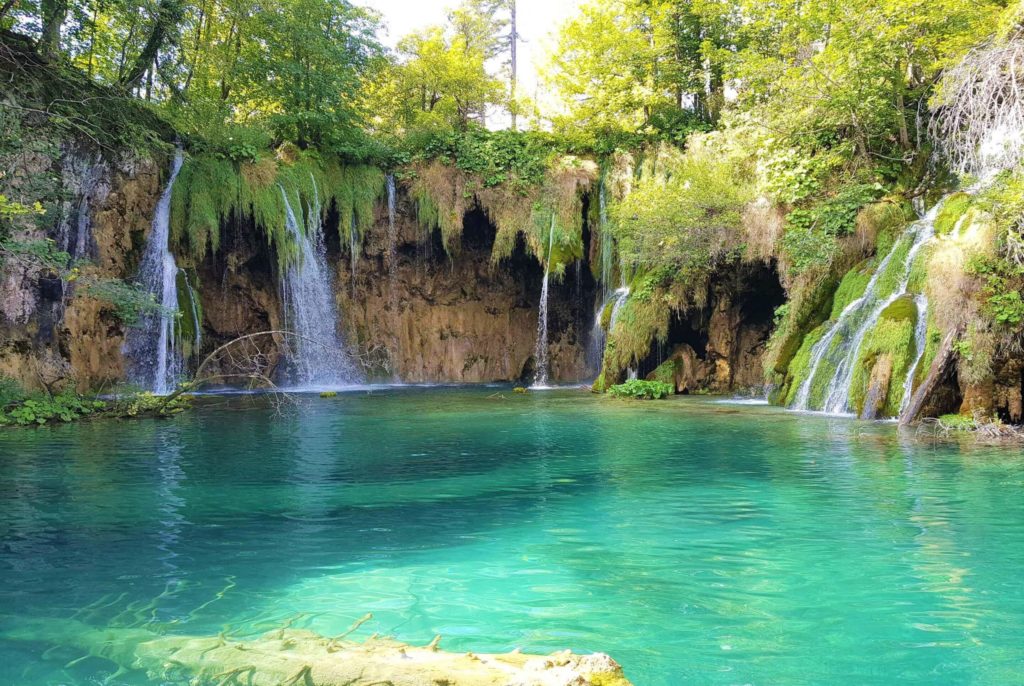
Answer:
(598, 333)
(154, 362)
(392, 238)
(920, 341)
(353, 250)
(543, 372)
(607, 245)
(842, 342)
(318, 358)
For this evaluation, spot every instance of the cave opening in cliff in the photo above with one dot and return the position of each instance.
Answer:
(734, 325)
(688, 328)
(478, 233)
(761, 294)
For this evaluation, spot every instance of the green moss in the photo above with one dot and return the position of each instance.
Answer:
(807, 308)
(799, 367)
(952, 211)
(886, 220)
(188, 327)
(851, 287)
(666, 372)
(893, 334)
(211, 191)
(891, 277)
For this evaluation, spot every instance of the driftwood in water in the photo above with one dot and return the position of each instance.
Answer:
(938, 369)
(294, 657)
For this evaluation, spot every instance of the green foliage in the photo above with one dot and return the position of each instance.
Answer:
(9, 208)
(689, 221)
(496, 157)
(131, 304)
(146, 404)
(11, 392)
(806, 248)
(212, 190)
(638, 389)
(41, 253)
(40, 410)
(1003, 280)
(957, 422)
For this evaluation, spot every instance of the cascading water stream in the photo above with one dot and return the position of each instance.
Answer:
(542, 375)
(154, 362)
(920, 341)
(607, 245)
(859, 317)
(318, 358)
(598, 333)
(392, 240)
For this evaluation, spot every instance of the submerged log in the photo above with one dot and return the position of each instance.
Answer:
(299, 657)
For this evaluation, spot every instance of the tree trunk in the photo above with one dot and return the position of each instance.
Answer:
(513, 39)
(6, 7)
(167, 18)
(53, 12)
(939, 366)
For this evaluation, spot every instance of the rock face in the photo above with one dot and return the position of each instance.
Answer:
(52, 332)
(418, 315)
(878, 387)
(720, 347)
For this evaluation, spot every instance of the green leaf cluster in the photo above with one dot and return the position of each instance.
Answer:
(639, 389)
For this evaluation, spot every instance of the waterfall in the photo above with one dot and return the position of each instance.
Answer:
(598, 333)
(859, 317)
(392, 239)
(318, 358)
(154, 362)
(353, 250)
(920, 341)
(540, 379)
(607, 246)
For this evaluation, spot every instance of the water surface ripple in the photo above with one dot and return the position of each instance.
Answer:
(696, 542)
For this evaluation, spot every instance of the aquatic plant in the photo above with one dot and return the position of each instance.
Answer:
(639, 389)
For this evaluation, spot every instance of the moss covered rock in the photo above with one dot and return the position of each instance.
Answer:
(891, 337)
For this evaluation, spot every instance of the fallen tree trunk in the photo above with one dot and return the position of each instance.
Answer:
(940, 365)
(295, 657)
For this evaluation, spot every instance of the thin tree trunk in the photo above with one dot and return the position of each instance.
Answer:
(935, 373)
(168, 15)
(53, 12)
(513, 39)
(6, 7)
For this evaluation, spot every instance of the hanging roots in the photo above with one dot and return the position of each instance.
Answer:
(979, 118)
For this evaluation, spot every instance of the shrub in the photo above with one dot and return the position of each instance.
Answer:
(638, 389)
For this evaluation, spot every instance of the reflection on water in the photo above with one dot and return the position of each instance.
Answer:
(693, 540)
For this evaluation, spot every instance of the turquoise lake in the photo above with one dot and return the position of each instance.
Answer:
(693, 540)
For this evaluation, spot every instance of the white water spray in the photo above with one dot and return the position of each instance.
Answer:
(543, 372)
(842, 342)
(154, 362)
(318, 358)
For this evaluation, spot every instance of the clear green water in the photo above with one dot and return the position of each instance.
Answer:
(695, 542)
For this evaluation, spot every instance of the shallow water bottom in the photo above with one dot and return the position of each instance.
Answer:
(694, 541)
